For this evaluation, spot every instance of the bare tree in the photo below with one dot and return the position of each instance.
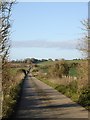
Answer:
(84, 42)
(5, 12)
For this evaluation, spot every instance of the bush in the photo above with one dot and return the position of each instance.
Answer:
(59, 68)
(8, 104)
(61, 88)
(73, 86)
(14, 91)
(84, 98)
(82, 69)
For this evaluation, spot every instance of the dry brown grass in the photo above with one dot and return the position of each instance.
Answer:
(11, 87)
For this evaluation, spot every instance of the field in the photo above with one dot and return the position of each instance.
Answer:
(72, 71)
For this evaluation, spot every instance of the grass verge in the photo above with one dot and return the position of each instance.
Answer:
(71, 91)
(11, 93)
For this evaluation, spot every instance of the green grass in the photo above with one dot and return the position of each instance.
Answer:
(51, 62)
(46, 63)
(13, 71)
(75, 61)
(73, 72)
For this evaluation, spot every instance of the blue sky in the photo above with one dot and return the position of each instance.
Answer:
(46, 30)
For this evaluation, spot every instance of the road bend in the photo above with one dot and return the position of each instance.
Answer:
(39, 100)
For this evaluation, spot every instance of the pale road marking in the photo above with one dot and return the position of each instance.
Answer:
(41, 101)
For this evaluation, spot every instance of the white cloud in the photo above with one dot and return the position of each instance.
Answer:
(46, 44)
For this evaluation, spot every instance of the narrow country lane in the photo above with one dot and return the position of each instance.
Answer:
(41, 101)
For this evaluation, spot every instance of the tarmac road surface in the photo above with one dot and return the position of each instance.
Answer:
(41, 101)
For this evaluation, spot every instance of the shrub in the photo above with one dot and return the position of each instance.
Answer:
(73, 86)
(8, 103)
(61, 88)
(59, 68)
(82, 69)
(84, 98)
